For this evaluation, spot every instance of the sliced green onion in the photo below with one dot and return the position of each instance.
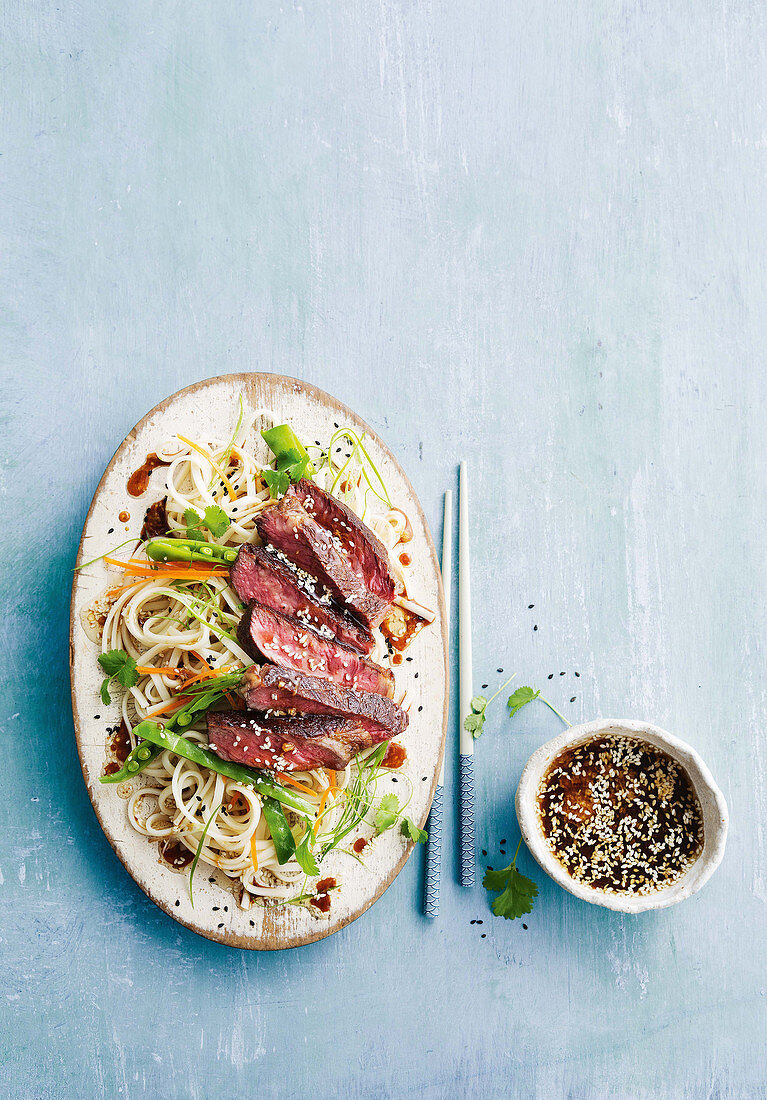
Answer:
(199, 850)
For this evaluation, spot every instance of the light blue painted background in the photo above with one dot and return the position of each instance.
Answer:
(526, 232)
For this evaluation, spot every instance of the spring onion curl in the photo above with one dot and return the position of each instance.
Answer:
(181, 631)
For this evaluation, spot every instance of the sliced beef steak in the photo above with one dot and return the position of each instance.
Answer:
(265, 633)
(288, 526)
(366, 554)
(260, 575)
(270, 688)
(288, 744)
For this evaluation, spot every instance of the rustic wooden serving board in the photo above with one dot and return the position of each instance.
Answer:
(210, 409)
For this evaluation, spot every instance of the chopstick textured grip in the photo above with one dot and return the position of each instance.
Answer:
(467, 819)
(433, 857)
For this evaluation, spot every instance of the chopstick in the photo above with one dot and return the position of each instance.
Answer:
(434, 842)
(466, 744)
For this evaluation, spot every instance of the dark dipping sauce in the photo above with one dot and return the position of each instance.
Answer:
(138, 482)
(620, 815)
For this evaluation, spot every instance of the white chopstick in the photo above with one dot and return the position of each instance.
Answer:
(434, 843)
(447, 584)
(466, 744)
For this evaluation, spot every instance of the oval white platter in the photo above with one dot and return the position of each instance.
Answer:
(210, 409)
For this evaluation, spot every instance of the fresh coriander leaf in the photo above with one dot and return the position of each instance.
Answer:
(518, 898)
(192, 518)
(387, 813)
(520, 698)
(474, 723)
(216, 520)
(113, 661)
(305, 856)
(128, 676)
(412, 832)
(478, 704)
(519, 892)
(106, 698)
(278, 482)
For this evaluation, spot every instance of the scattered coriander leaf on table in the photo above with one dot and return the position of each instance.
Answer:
(474, 723)
(518, 892)
(520, 698)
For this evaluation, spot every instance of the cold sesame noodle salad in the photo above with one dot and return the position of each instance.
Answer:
(167, 628)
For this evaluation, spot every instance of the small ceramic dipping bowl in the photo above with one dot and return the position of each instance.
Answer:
(712, 804)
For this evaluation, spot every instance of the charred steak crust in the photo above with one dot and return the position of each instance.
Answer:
(274, 688)
(264, 632)
(288, 744)
(366, 554)
(288, 526)
(259, 574)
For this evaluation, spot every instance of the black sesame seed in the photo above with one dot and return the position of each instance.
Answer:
(525, 927)
(530, 606)
(499, 670)
(252, 924)
(551, 675)
(503, 842)
(415, 676)
(572, 699)
(226, 908)
(535, 628)
(483, 936)
(578, 674)
(215, 908)
(96, 717)
(423, 780)
(561, 674)
(394, 779)
(484, 853)
(420, 708)
(485, 686)
(111, 531)
(220, 926)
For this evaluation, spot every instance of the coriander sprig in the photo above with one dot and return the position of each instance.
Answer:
(118, 666)
(474, 723)
(518, 892)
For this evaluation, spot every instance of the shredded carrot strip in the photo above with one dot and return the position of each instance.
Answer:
(253, 854)
(174, 704)
(331, 776)
(174, 573)
(145, 670)
(215, 465)
(285, 778)
(323, 800)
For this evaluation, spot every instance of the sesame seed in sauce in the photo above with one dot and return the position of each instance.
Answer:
(620, 815)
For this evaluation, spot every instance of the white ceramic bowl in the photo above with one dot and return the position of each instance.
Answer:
(713, 806)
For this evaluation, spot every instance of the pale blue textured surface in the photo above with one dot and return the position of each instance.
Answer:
(530, 233)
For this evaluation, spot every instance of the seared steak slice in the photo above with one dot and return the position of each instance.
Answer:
(285, 641)
(260, 575)
(288, 744)
(270, 688)
(366, 554)
(287, 525)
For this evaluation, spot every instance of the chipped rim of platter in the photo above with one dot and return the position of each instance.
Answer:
(209, 403)
(712, 804)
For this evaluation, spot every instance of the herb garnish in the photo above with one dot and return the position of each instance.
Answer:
(118, 666)
(387, 813)
(519, 892)
(215, 520)
(474, 723)
(410, 830)
(198, 853)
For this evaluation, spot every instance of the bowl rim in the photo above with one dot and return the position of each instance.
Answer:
(712, 802)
